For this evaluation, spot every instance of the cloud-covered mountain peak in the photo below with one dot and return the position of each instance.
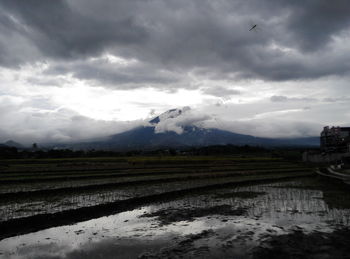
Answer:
(178, 120)
(170, 114)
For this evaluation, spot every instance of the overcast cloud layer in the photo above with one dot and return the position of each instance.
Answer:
(107, 62)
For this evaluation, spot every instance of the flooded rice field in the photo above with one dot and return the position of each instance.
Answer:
(28, 188)
(32, 203)
(177, 207)
(297, 218)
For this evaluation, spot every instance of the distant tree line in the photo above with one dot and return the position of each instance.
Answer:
(7, 152)
(225, 150)
(14, 153)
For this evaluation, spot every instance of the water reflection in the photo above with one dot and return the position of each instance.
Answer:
(273, 209)
(275, 205)
(29, 206)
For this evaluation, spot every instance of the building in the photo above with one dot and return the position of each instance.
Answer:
(335, 139)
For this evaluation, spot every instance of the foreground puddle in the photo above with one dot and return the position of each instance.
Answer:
(231, 222)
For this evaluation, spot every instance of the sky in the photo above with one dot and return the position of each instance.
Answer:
(81, 69)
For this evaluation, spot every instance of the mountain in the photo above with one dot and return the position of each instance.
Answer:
(171, 114)
(11, 143)
(149, 137)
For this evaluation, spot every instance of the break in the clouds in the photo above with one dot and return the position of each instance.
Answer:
(26, 124)
(160, 54)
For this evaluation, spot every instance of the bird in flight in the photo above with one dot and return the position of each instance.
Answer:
(253, 27)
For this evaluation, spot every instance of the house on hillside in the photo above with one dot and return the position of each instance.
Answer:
(335, 139)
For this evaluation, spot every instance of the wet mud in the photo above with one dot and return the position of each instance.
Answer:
(184, 247)
(171, 215)
(46, 220)
(300, 245)
(270, 219)
(269, 215)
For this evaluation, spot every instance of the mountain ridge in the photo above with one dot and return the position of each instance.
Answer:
(144, 137)
(173, 129)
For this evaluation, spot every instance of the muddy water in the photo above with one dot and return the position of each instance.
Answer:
(52, 202)
(230, 222)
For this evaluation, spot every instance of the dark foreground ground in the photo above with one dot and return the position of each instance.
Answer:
(174, 207)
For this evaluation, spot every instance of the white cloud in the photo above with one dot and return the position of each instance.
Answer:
(273, 128)
(186, 118)
(28, 125)
(84, 74)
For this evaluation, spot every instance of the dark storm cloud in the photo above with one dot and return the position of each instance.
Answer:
(126, 77)
(59, 31)
(314, 22)
(15, 47)
(181, 36)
